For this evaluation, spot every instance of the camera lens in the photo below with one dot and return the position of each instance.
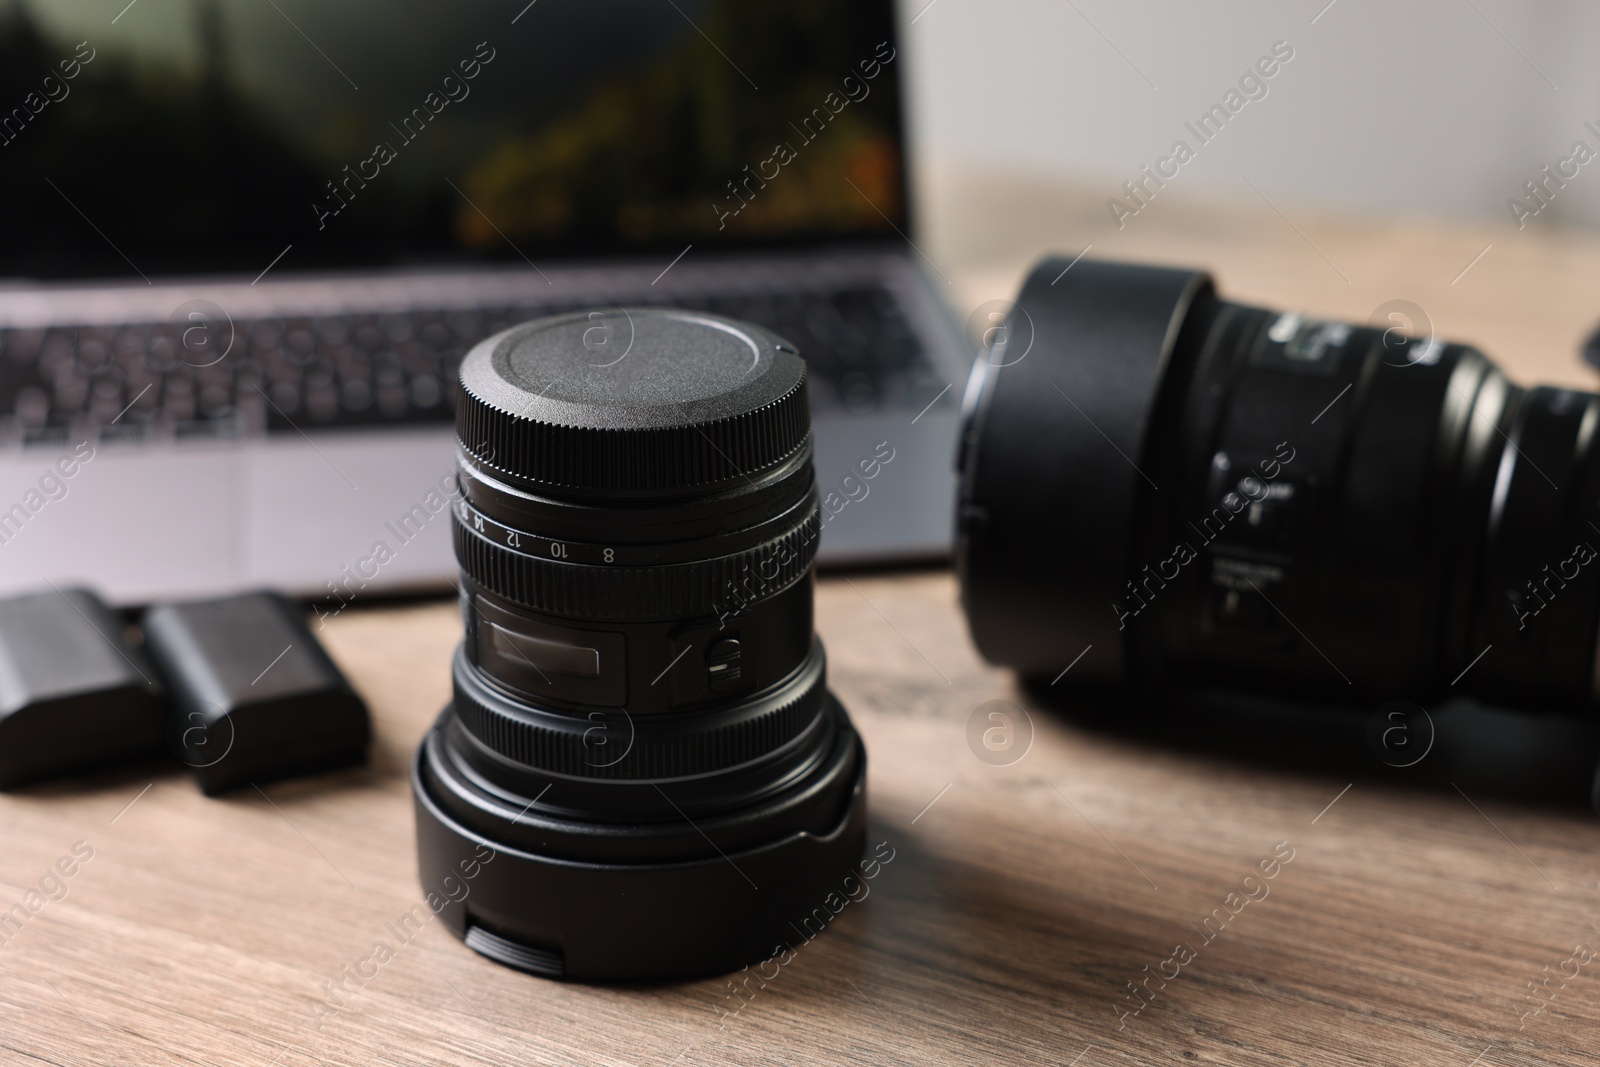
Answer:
(641, 773)
(1182, 490)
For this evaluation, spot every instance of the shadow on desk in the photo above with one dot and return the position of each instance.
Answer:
(1538, 758)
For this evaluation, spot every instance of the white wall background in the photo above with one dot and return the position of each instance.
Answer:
(1439, 107)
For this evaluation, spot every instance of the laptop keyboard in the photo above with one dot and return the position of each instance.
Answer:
(142, 381)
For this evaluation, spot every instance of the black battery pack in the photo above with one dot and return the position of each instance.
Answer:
(255, 697)
(75, 693)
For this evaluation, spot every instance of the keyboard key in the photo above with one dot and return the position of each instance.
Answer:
(129, 348)
(163, 355)
(322, 400)
(247, 374)
(368, 336)
(267, 333)
(333, 329)
(177, 397)
(392, 402)
(425, 392)
(32, 406)
(215, 400)
(355, 396)
(105, 399)
(94, 350)
(22, 346)
(435, 334)
(285, 398)
(398, 327)
(300, 342)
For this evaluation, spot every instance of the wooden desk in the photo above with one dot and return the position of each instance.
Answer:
(1021, 898)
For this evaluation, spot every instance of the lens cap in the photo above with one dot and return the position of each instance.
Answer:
(648, 400)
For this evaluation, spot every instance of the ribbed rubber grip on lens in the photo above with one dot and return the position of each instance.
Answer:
(612, 744)
(674, 458)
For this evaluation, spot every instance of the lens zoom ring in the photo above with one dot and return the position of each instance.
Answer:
(631, 594)
(681, 457)
(730, 738)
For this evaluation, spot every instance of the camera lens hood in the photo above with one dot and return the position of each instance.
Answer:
(597, 912)
(1047, 506)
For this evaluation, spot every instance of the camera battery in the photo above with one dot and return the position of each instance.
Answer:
(75, 693)
(257, 697)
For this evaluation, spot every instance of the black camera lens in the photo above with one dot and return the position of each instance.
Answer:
(1182, 490)
(641, 773)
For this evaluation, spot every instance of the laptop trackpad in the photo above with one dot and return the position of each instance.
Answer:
(132, 523)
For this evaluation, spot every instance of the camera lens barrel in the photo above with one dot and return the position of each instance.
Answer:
(641, 763)
(1191, 491)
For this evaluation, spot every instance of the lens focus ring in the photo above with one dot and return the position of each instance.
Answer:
(602, 593)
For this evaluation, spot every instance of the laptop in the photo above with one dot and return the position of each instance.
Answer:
(249, 241)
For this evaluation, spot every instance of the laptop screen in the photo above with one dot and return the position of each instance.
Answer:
(184, 136)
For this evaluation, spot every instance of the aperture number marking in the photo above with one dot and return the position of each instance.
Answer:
(523, 541)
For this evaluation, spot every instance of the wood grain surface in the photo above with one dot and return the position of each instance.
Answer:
(1314, 905)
